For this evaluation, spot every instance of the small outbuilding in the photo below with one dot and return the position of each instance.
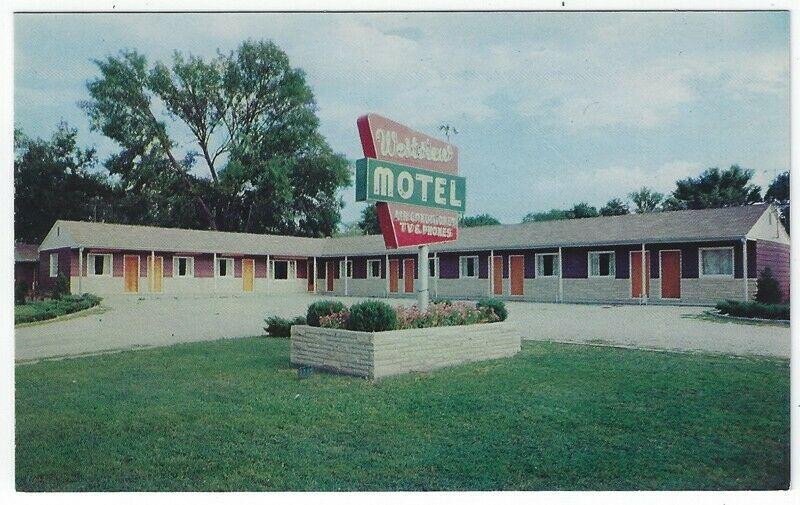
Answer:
(26, 265)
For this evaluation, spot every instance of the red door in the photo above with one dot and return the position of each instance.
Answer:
(636, 273)
(497, 275)
(394, 275)
(517, 273)
(670, 274)
(329, 271)
(408, 274)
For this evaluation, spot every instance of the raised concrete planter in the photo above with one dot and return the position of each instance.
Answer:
(377, 355)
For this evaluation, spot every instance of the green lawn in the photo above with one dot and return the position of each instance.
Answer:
(232, 415)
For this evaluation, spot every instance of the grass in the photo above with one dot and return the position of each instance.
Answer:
(232, 415)
(42, 310)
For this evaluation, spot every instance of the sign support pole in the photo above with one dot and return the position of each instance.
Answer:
(422, 291)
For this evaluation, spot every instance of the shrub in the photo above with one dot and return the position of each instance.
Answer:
(322, 308)
(443, 314)
(61, 287)
(281, 327)
(20, 292)
(372, 315)
(49, 309)
(498, 306)
(769, 291)
(754, 309)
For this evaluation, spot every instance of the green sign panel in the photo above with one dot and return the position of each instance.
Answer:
(384, 181)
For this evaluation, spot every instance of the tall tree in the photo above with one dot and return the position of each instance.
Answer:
(614, 207)
(479, 220)
(550, 215)
(778, 194)
(581, 210)
(55, 179)
(254, 130)
(369, 221)
(646, 200)
(715, 188)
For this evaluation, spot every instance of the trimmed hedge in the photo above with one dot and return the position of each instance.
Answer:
(282, 327)
(498, 306)
(754, 309)
(372, 315)
(43, 310)
(320, 309)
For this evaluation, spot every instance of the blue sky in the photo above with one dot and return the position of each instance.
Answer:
(551, 108)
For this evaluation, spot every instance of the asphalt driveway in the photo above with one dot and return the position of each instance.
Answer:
(130, 322)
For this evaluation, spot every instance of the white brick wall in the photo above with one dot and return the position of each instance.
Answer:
(376, 355)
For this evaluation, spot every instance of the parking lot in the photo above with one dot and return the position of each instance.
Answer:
(131, 322)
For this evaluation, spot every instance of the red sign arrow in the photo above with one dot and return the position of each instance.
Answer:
(408, 225)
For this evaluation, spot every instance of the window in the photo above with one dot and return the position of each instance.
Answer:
(716, 261)
(433, 267)
(547, 265)
(53, 264)
(224, 267)
(283, 269)
(346, 272)
(374, 269)
(98, 264)
(602, 264)
(468, 267)
(183, 266)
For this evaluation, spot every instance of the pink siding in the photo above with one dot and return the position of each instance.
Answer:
(261, 267)
(204, 265)
(46, 282)
(301, 268)
(776, 257)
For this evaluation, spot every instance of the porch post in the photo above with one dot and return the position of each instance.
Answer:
(314, 280)
(491, 273)
(214, 269)
(560, 277)
(744, 269)
(151, 271)
(345, 275)
(386, 272)
(645, 274)
(269, 284)
(436, 276)
(80, 270)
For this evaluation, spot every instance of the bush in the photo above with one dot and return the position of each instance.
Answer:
(754, 309)
(280, 327)
(769, 291)
(498, 306)
(49, 309)
(20, 292)
(61, 287)
(444, 314)
(372, 315)
(337, 320)
(321, 309)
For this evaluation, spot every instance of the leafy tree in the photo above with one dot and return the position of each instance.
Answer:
(479, 220)
(55, 179)
(550, 215)
(252, 117)
(778, 194)
(614, 207)
(767, 288)
(582, 210)
(369, 221)
(646, 200)
(715, 188)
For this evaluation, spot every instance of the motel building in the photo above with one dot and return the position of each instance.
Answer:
(690, 257)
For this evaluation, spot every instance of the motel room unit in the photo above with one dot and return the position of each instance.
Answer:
(688, 257)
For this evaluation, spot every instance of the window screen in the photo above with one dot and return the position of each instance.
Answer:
(717, 261)
(601, 264)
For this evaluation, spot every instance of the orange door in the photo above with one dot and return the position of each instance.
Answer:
(248, 275)
(636, 273)
(310, 273)
(394, 275)
(497, 276)
(670, 274)
(131, 266)
(408, 274)
(155, 272)
(517, 273)
(329, 275)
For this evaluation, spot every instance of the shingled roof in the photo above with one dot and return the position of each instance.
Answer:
(730, 223)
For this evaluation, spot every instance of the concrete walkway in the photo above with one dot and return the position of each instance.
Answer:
(131, 322)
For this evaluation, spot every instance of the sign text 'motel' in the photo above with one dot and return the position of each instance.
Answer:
(383, 181)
